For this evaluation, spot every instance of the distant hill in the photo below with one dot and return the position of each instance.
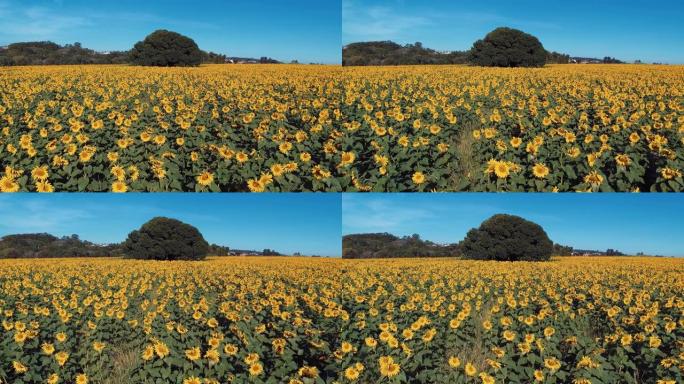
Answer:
(385, 245)
(44, 245)
(390, 53)
(49, 53)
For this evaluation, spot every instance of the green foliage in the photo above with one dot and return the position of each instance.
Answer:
(164, 48)
(562, 250)
(557, 58)
(390, 53)
(166, 239)
(507, 47)
(49, 53)
(507, 238)
(385, 245)
(43, 245)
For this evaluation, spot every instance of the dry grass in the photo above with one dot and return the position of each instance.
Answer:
(124, 361)
(476, 352)
(465, 168)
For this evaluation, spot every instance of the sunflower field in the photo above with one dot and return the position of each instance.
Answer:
(298, 320)
(325, 128)
(214, 128)
(558, 128)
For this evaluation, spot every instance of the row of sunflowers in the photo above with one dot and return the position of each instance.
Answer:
(327, 128)
(576, 320)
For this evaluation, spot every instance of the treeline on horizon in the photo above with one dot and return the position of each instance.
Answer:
(50, 53)
(44, 245)
(377, 53)
(386, 245)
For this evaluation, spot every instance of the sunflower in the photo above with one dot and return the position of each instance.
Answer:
(161, 349)
(193, 353)
(552, 363)
(501, 169)
(255, 185)
(351, 373)
(205, 178)
(44, 187)
(623, 160)
(470, 370)
(39, 173)
(454, 362)
(255, 369)
(670, 173)
(98, 346)
(192, 380)
(418, 178)
(119, 187)
(540, 171)
(81, 378)
(538, 375)
(19, 367)
(277, 169)
(593, 178)
(61, 357)
(347, 158)
(388, 368)
(8, 184)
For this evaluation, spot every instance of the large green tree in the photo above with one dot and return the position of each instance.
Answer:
(164, 48)
(507, 47)
(163, 238)
(507, 238)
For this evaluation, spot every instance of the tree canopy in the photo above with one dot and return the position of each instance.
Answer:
(507, 238)
(507, 47)
(164, 48)
(163, 238)
(385, 245)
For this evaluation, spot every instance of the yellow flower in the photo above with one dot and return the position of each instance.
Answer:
(161, 350)
(540, 171)
(192, 380)
(119, 187)
(454, 362)
(593, 178)
(193, 353)
(81, 378)
(255, 369)
(623, 160)
(98, 346)
(470, 370)
(148, 353)
(418, 178)
(19, 367)
(61, 337)
(552, 363)
(61, 357)
(501, 169)
(205, 178)
(39, 173)
(538, 375)
(388, 368)
(347, 158)
(351, 373)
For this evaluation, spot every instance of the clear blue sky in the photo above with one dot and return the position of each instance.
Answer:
(649, 30)
(650, 223)
(306, 30)
(286, 222)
